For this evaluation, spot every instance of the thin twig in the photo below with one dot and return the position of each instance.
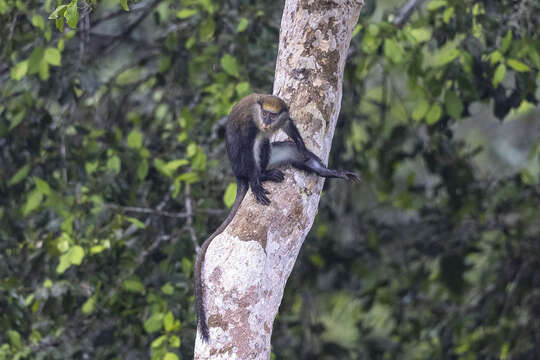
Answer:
(10, 35)
(145, 210)
(406, 12)
(136, 23)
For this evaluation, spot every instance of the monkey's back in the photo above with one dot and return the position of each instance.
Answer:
(240, 134)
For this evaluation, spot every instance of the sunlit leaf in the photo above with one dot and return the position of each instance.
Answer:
(230, 195)
(124, 4)
(19, 70)
(185, 13)
(133, 284)
(58, 12)
(170, 356)
(154, 323)
(229, 64)
(506, 41)
(434, 114)
(518, 65)
(499, 74)
(453, 105)
(19, 175)
(38, 21)
(33, 201)
(135, 139)
(72, 14)
(242, 24)
(52, 56)
(76, 255)
(89, 305)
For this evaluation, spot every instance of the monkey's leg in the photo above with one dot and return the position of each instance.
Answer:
(273, 175)
(286, 152)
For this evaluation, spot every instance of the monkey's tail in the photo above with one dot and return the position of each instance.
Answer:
(241, 192)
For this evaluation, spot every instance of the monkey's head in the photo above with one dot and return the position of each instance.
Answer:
(270, 113)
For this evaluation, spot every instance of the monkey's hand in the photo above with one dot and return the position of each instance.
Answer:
(273, 175)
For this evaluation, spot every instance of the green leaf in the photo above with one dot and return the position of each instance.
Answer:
(499, 74)
(129, 76)
(207, 29)
(229, 64)
(58, 12)
(453, 104)
(138, 223)
(135, 139)
(230, 195)
(518, 65)
(38, 21)
(14, 338)
(447, 15)
(64, 263)
(422, 34)
(167, 289)
(19, 175)
(124, 5)
(154, 323)
(159, 341)
(185, 13)
(446, 55)
(42, 186)
(34, 61)
(173, 165)
(32, 202)
(142, 169)
(60, 24)
(91, 167)
(19, 70)
(170, 356)
(135, 285)
(434, 114)
(89, 305)
(242, 24)
(174, 341)
(72, 14)
(52, 56)
(506, 41)
(436, 4)
(495, 57)
(114, 164)
(420, 110)
(76, 255)
(393, 51)
(168, 321)
(189, 177)
(243, 89)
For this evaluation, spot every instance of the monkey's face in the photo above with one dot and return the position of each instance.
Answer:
(272, 116)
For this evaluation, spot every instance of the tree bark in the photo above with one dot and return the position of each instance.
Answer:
(247, 266)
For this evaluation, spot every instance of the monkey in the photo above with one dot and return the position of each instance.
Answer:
(254, 160)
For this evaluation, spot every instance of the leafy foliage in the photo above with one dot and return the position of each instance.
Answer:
(113, 169)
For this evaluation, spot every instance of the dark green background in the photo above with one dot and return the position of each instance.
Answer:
(112, 167)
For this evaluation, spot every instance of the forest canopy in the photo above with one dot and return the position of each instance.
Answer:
(113, 171)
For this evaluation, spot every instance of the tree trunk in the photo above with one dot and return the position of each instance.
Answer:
(247, 266)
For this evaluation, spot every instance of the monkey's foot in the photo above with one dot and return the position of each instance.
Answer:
(350, 176)
(274, 175)
(260, 194)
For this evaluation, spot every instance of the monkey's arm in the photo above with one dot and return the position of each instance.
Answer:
(287, 152)
(292, 131)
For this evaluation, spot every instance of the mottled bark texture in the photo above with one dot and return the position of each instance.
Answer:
(247, 266)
